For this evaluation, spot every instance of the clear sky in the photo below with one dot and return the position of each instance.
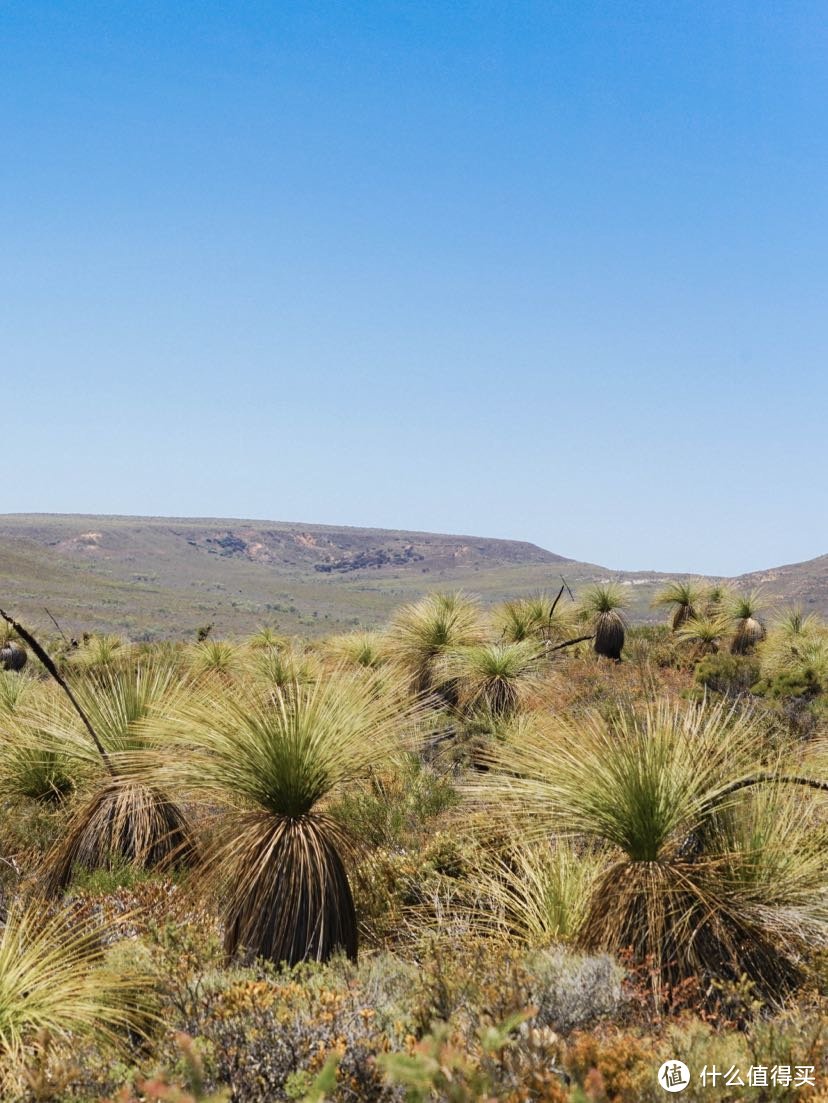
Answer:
(554, 271)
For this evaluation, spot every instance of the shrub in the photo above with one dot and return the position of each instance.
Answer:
(572, 990)
(730, 675)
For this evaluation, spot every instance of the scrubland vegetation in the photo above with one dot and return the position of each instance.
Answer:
(523, 853)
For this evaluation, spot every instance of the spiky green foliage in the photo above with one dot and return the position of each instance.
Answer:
(795, 644)
(704, 632)
(32, 770)
(683, 598)
(536, 617)
(492, 676)
(101, 652)
(421, 633)
(716, 598)
(54, 978)
(271, 759)
(539, 892)
(748, 629)
(14, 689)
(368, 649)
(282, 666)
(122, 815)
(652, 789)
(33, 767)
(602, 608)
(215, 657)
(266, 637)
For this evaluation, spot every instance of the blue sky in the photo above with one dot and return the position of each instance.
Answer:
(552, 271)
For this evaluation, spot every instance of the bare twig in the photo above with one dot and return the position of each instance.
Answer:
(569, 643)
(55, 623)
(555, 602)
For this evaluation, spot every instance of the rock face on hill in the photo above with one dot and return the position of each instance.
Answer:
(161, 576)
(324, 548)
(158, 577)
(330, 550)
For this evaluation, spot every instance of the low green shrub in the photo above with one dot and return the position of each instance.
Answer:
(730, 675)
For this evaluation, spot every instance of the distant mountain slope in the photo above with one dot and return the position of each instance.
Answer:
(149, 577)
(165, 576)
(805, 583)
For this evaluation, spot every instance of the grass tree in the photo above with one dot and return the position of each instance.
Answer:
(748, 629)
(793, 642)
(716, 598)
(271, 760)
(266, 637)
(683, 599)
(704, 632)
(13, 656)
(55, 980)
(422, 633)
(494, 677)
(282, 666)
(602, 606)
(536, 617)
(101, 652)
(120, 815)
(693, 838)
(366, 648)
(215, 658)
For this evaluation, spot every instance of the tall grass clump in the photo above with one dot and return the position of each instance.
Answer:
(537, 617)
(54, 980)
(538, 892)
(796, 645)
(121, 814)
(704, 632)
(367, 649)
(216, 658)
(422, 633)
(653, 791)
(101, 652)
(272, 760)
(277, 667)
(494, 677)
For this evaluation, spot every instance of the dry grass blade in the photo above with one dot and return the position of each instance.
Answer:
(289, 895)
(123, 821)
(54, 977)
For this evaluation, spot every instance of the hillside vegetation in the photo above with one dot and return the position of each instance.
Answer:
(162, 578)
(525, 851)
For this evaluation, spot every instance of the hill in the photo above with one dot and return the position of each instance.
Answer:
(804, 584)
(150, 577)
